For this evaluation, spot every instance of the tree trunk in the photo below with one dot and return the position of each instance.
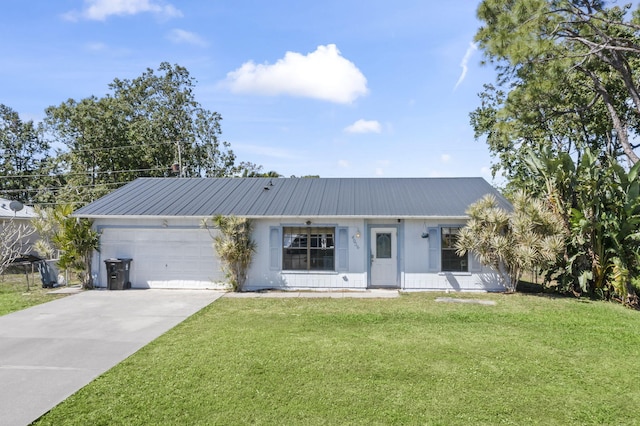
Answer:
(505, 277)
(88, 281)
(619, 127)
(632, 297)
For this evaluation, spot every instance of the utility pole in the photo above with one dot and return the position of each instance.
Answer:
(179, 159)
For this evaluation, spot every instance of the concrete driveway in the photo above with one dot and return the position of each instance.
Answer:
(50, 351)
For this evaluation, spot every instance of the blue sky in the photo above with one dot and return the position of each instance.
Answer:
(346, 88)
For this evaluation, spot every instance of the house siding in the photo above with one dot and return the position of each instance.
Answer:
(177, 253)
(263, 276)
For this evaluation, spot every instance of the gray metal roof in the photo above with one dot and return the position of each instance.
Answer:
(292, 197)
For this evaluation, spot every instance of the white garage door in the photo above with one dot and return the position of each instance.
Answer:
(163, 258)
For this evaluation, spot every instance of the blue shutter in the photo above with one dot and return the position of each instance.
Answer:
(474, 263)
(434, 249)
(342, 249)
(275, 248)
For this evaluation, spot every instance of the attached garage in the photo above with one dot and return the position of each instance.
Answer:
(163, 258)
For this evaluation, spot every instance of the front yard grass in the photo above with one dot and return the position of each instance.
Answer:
(15, 294)
(529, 359)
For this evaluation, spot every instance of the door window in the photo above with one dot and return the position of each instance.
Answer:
(383, 245)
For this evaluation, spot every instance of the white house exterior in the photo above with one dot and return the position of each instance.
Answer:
(320, 234)
(13, 211)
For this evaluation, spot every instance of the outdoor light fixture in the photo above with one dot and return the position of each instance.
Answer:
(358, 233)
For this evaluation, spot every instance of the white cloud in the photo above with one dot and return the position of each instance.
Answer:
(364, 126)
(382, 165)
(445, 158)
(99, 10)
(179, 36)
(344, 164)
(324, 74)
(464, 64)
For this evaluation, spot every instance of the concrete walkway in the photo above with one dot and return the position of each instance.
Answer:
(50, 351)
(334, 294)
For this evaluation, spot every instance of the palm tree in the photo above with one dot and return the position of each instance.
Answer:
(531, 236)
(235, 247)
(73, 237)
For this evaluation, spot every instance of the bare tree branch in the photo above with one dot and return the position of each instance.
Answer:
(14, 241)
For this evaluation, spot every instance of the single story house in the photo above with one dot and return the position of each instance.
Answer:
(15, 211)
(311, 233)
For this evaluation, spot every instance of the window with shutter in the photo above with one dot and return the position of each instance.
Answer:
(308, 248)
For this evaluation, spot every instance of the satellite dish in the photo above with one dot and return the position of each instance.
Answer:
(16, 206)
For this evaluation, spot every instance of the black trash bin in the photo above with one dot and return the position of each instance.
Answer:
(118, 274)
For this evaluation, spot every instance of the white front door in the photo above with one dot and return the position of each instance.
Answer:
(384, 257)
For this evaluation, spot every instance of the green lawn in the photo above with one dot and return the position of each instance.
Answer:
(527, 360)
(16, 295)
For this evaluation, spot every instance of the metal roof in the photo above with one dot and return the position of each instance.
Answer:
(292, 197)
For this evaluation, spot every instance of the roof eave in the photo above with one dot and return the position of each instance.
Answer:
(306, 217)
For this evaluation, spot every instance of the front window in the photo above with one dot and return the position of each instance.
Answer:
(451, 262)
(308, 249)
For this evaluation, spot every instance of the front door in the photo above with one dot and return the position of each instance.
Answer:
(384, 257)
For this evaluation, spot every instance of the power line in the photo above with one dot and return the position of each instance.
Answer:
(58, 188)
(58, 204)
(142, 145)
(86, 173)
